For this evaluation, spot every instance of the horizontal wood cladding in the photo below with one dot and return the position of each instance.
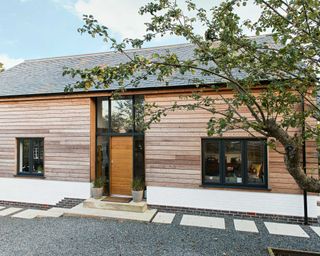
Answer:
(173, 148)
(65, 126)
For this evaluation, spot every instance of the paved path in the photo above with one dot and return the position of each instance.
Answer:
(240, 225)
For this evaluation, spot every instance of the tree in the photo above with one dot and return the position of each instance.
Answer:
(291, 65)
(1, 67)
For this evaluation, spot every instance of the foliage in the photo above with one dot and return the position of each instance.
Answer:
(285, 70)
(1, 67)
(138, 184)
(99, 182)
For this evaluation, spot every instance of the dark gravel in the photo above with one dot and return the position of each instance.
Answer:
(80, 236)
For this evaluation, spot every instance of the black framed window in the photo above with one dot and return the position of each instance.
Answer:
(234, 162)
(31, 156)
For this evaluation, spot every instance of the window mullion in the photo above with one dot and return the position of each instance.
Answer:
(244, 164)
(222, 161)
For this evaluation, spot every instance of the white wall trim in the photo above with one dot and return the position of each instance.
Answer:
(41, 191)
(240, 201)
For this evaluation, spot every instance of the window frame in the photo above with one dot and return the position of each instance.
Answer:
(30, 156)
(244, 163)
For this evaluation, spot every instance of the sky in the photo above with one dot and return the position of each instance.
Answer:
(31, 29)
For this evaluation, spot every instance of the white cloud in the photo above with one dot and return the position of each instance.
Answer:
(9, 62)
(122, 18)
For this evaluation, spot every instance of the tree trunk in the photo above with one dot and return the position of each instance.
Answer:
(292, 157)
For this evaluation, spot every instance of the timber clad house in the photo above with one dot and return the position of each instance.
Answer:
(54, 144)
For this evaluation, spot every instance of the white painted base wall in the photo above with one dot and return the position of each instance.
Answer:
(41, 191)
(258, 202)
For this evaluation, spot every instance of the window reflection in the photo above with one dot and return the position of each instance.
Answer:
(255, 153)
(139, 113)
(233, 162)
(121, 116)
(102, 156)
(102, 115)
(139, 156)
(31, 151)
(211, 169)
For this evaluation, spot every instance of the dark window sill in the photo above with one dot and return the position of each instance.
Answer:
(30, 175)
(235, 187)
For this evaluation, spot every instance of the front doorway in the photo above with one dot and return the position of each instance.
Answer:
(120, 143)
(121, 165)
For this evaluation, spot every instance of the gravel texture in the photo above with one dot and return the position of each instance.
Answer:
(82, 236)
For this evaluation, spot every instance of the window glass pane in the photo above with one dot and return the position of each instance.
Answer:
(37, 155)
(255, 154)
(211, 162)
(139, 113)
(233, 161)
(121, 116)
(102, 157)
(139, 156)
(24, 156)
(102, 116)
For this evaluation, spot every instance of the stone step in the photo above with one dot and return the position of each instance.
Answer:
(80, 211)
(115, 206)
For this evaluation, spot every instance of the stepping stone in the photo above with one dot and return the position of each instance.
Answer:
(9, 211)
(316, 230)
(246, 226)
(203, 221)
(163, 217)
(27, 214)
(285, 229)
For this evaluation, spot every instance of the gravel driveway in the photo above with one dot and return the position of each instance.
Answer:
(80, 236)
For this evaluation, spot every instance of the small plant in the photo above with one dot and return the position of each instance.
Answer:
(39, 169)
(137, 184)
(99, 182)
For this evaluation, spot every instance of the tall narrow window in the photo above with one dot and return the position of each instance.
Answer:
(211, 156)
(102, 115)
(255, 166)
(233, 173)
(30, 160)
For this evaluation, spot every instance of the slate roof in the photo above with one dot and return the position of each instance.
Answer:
(44, 76)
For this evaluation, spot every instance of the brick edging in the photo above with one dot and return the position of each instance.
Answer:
(26, 205)
(64, 203)
(221, 213)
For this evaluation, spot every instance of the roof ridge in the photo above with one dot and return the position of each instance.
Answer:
(106, 52)
(168, 46)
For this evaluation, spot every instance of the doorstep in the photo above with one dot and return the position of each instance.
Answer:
(115, 206)
(81, 211)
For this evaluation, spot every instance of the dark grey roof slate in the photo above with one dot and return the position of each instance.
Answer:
(44, 76)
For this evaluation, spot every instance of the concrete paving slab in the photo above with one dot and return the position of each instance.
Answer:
(9, 211)
(245, 225)
(285, 229)
(316, 230)
(80, 211)
(27, 214)
(47, 214)
(163, 217)
(203, 221)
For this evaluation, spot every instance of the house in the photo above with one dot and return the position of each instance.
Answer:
(54, 144)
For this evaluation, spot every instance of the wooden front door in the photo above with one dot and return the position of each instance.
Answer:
(121, 156)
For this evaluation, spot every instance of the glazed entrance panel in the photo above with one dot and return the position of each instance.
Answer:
(121, 171)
